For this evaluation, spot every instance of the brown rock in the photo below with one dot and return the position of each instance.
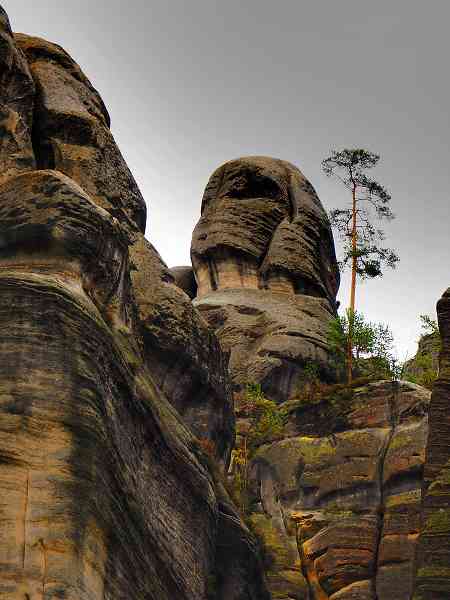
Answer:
(264, 261)
(270, 336)
(181, 351)
(361, 590)
(16, 105)
(352, 490)
(185, 279)
(262, 226)
(433, 554)
(71, 132)
(90, 450)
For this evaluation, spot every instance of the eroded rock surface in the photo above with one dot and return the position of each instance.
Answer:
(433, 556)
(185, 279)
(72, 135)
(264, 261)
(106, 370)
(182, 352)
(17, 93)
(337, 501)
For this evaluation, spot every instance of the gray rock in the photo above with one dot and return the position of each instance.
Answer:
(72, 132)
(264, 260)
(185, 279)
(17, 94)
(270, 336)
(107, 371)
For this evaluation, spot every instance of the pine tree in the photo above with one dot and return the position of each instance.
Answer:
(363, 249)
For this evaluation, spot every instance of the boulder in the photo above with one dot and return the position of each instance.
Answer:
(266, 271)
(72, 135)
(262, 226)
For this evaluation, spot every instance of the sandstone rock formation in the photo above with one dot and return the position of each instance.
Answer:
(337, 500)
(17, 94)
(265, 266)
(181, 351)
(336, 497)
(71, 134)
(106, 369)
(116, 406)
(424, 366)
(185, 279)
(433, 556)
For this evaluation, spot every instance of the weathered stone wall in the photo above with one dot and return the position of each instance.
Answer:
(433, 555)
(106, 369)
(337, 500)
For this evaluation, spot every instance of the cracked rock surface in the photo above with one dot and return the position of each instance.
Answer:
(338, 503)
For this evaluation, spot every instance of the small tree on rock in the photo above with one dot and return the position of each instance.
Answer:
(363, 242)
(372, 341)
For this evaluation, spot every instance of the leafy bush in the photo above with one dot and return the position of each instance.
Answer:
(266, 423)
(372, 345)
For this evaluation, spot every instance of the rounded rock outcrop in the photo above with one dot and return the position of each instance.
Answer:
(265, 265)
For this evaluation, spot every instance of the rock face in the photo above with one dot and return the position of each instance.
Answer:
(181, 351)
(433, 556)
(265, 266)
(185, 279)
(336, 496)
(337, 500)
(71, 132)
(17, 94)
(423, 367)
(106, 370)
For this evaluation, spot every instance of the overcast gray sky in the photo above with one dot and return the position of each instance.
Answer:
(190, 85)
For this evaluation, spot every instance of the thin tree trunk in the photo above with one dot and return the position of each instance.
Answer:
(352, 291)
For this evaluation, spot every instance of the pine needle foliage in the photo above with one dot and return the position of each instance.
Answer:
(363, 241)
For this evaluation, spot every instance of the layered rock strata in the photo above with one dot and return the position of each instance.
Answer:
(433, 555)
(17, 93)
(337, 500)
(267, 277)
(106, 370)
(71, 134)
